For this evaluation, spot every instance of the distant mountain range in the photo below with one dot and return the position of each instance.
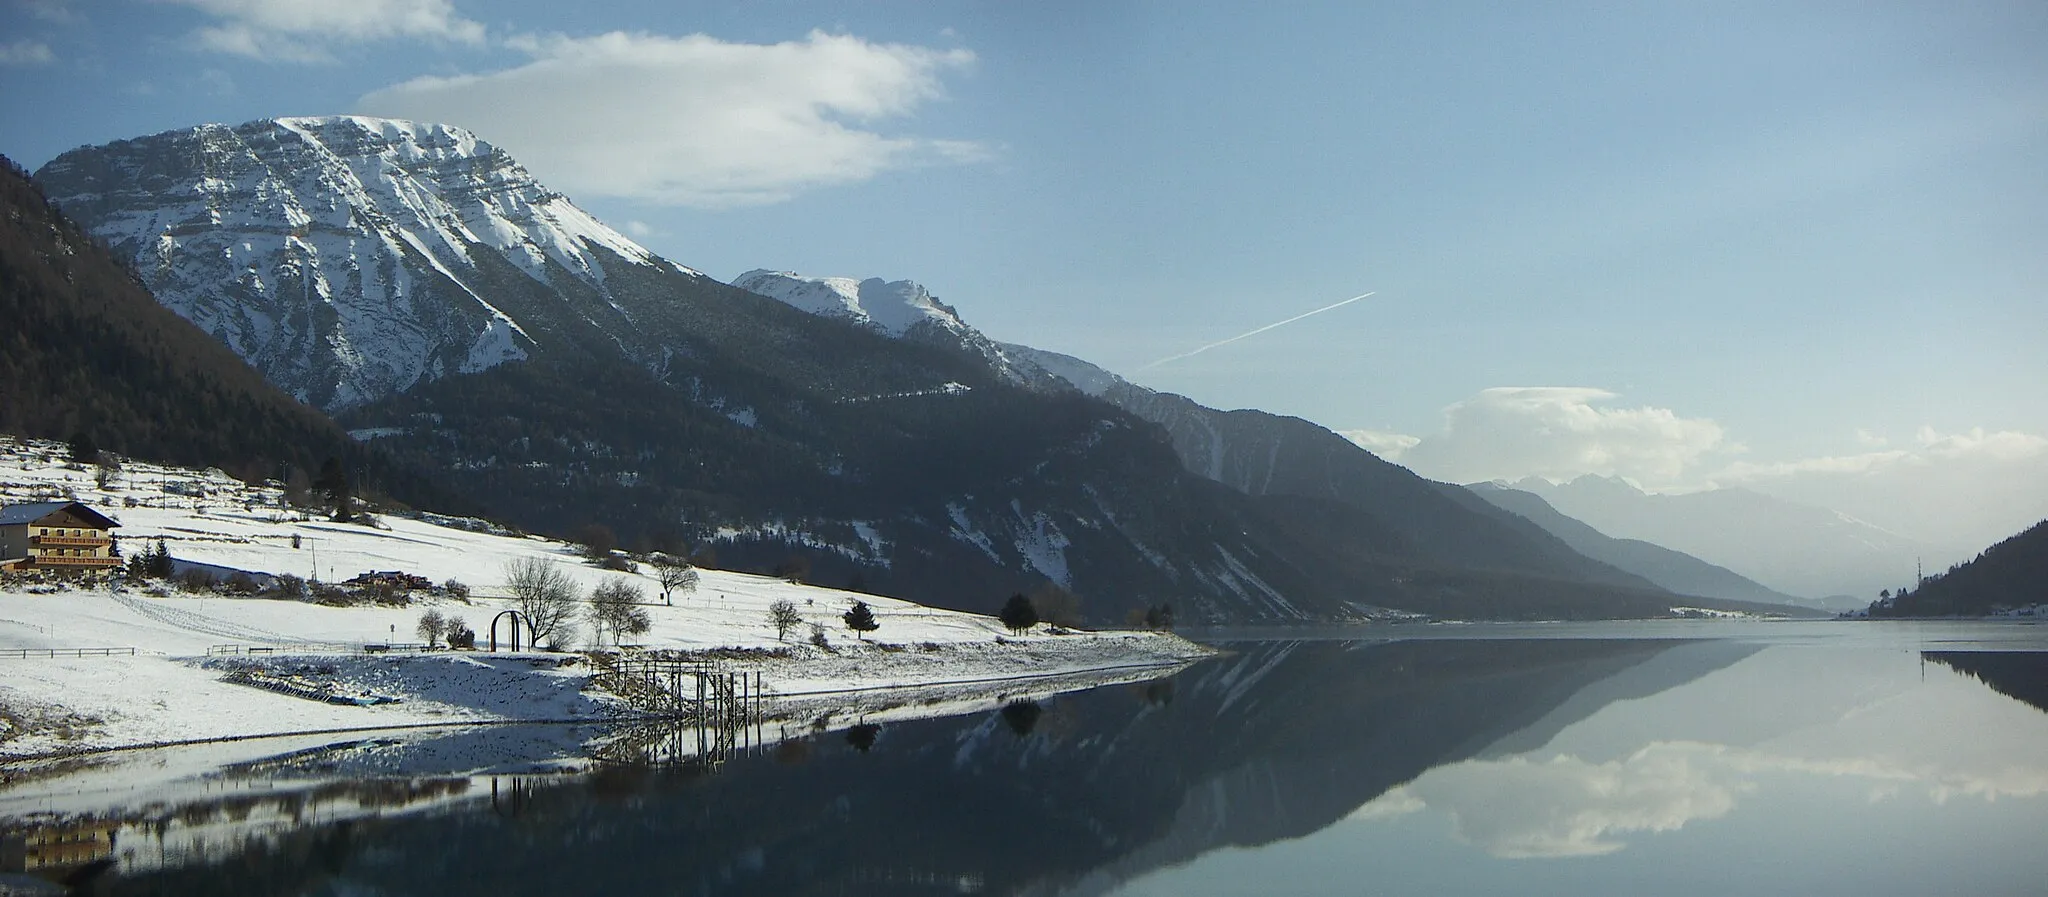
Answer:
(421, 285)
(1269, 454)
(1368, 510)
(1794, 548)
(1674, 570)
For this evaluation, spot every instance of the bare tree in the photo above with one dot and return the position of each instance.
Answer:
(431, 626)
(784, 615)
(1056, 605)
(615, 607)
(545, 596)
(675, 574)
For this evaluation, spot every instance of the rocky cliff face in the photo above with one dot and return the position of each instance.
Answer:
(346, 258)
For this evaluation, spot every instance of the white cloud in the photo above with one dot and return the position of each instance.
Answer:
(1958, 492)
(1390, 446)
(1561, 432)
(26, 52)
(1523, 808)
(1966, 489)
(54, 11)
(1566, 807)
(302, 30)
(695, 120)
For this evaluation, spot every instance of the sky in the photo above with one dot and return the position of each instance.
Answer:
(1800, 247)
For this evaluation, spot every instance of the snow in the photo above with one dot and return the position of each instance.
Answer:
(889, 307)
(171, 690)
(1082, 375)
(1042, 545)
(347, 211)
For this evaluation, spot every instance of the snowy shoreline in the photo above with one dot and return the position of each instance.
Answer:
(172, 693)
(176, 655)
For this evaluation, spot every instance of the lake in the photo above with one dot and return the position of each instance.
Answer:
(1662, 758)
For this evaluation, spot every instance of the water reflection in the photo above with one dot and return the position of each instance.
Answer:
(1542, 766)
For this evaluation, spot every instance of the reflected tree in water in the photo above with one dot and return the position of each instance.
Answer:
(862, 737)
(1022, 716)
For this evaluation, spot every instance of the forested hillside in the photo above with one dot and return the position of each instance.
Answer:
(85, 350)
(2010, 575)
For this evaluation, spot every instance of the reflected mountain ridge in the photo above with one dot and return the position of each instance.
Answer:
(2019, 675)
(1275, 742)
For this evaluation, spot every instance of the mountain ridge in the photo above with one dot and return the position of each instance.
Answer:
(1674, 570)
(1795, 548)
(668, 408)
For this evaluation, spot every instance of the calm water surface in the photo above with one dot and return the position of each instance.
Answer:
(1861, 759)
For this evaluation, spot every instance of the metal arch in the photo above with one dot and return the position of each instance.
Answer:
(516, 617)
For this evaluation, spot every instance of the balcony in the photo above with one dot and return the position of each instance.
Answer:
(52, 560)
(80, 541)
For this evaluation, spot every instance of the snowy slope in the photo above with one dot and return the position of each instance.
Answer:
(343, 256)
(891, 307)
(902, 309)
(167, 691)
(1083, 375)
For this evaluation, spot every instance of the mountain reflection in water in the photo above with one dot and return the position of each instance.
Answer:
(1285, 767)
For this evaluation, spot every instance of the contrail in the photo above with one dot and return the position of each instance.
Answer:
(1256, 332)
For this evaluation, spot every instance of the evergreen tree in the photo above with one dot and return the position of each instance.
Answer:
(158, 565)
(333, 483)
(861, 619)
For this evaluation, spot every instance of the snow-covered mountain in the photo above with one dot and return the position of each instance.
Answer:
(891, 307)
(902, 309)
(346, 257)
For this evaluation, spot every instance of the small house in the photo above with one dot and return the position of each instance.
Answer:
(56, 535)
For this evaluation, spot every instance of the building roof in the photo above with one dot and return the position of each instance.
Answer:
(14, 515)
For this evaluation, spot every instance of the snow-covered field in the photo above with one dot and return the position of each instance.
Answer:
(170, 690)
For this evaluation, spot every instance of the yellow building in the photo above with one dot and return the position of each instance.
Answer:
(56, 535)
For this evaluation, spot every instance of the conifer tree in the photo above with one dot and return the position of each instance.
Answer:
(861, 619)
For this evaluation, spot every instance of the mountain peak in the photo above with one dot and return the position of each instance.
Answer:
(900, 309)
(890, 307)
(347, 257)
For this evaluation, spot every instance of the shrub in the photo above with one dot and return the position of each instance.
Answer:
(331, 595)
(818, 637)
(288, 587)
(459, 635)
(455, 589)
(195, 580)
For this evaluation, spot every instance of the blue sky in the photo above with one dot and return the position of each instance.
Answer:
(1760, 243)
